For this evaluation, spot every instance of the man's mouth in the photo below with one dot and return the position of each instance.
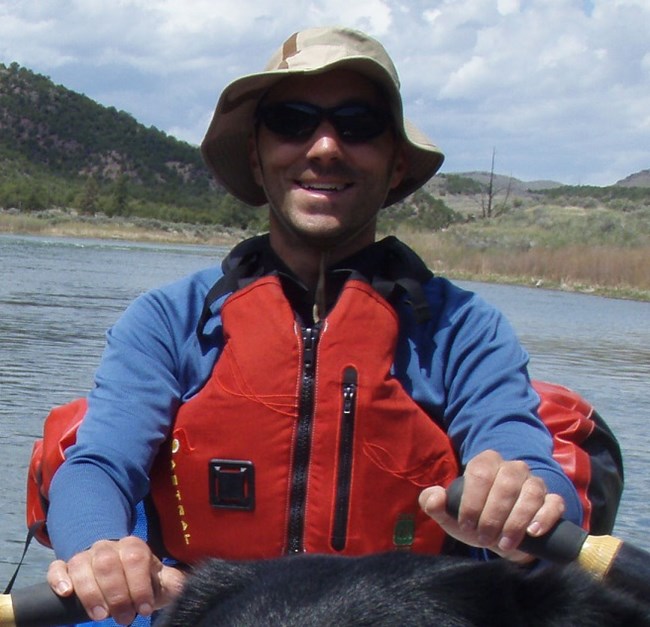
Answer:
(324, 187)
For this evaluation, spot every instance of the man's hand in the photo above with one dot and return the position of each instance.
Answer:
(119, 578)
(501, 503)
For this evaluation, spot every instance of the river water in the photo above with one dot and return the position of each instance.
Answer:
(59, 295)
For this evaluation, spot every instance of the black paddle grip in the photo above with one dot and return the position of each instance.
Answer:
(561, 545)
(39, 606)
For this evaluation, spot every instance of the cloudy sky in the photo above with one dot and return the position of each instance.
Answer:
(560, 89)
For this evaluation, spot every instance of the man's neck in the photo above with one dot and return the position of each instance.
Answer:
(308, 261)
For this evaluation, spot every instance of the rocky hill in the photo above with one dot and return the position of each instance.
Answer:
(61, 149)
(639, 179)
(516, 186)
(49, 126)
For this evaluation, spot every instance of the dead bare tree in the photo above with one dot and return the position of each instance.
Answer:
(488, 200)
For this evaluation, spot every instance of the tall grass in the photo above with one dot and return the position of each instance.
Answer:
(602, 266)
(594, 249)
(21, 223)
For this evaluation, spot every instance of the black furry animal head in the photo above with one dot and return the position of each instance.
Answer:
(396, 589)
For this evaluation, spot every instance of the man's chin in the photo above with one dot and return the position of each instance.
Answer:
(324, 232)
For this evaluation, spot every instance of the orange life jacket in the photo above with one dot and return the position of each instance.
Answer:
(254, 469)
(298, 438)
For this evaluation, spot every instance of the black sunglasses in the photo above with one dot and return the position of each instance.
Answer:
(298, 120)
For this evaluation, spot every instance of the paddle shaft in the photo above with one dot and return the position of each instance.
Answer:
(39, 606)
(561, 545)
(605, 557)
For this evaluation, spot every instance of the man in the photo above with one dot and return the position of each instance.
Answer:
(249, 368)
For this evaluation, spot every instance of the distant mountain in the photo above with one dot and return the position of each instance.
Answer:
(502, 181)
(50, 126)
(59, 148)
(517, 187)
(476, 183)
(639, 179)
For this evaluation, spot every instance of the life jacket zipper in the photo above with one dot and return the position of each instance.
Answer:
(302, 446)
(344, 470)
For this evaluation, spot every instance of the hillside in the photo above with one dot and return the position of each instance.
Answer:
(61, 150)
(470, 195)
(68, 134)
(639, 179)
(516, 186)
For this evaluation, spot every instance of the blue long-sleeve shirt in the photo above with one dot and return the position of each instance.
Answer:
(465, 367)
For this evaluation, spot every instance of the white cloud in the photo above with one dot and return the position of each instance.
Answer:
(469, 79)
(505, 7)
(559, 87)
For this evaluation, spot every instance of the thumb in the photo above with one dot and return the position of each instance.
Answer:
(171, 581)
(433, 501)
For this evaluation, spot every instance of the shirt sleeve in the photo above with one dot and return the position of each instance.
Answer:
(143, 376)
(470, 370)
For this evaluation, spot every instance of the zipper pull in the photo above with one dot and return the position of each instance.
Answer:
(309, 340)
(349, 390)
(345, 460)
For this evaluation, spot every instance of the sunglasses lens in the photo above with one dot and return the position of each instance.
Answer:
(359, 123)
(291, 120)
(298, 120)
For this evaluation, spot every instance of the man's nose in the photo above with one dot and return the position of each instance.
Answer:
(325, 143)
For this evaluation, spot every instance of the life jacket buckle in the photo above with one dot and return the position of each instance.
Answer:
(232, 484)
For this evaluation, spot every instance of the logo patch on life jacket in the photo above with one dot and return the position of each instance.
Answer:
(404, 532)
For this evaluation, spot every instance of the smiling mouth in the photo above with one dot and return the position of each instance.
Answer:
(324, 187)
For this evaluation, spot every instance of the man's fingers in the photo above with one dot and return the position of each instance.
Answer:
(80, 570)
(501, 502)
(58, 578)
(140, 566)
(112, 578)
(522, 513)
(548, 515)
(433, 501)
(77, 576)
(482, 507)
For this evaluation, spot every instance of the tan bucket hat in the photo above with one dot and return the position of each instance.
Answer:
(312, 51)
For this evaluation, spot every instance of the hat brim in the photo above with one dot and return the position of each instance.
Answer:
(225, 147)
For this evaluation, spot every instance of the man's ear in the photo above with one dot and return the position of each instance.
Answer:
(400, 165)
(254, 159)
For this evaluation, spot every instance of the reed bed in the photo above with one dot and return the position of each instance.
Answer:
(605, 269)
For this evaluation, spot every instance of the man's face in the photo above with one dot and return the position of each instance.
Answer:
(325, 191)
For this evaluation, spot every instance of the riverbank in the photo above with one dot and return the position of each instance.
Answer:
(570, 269)
(59, 223)
(609, 271)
